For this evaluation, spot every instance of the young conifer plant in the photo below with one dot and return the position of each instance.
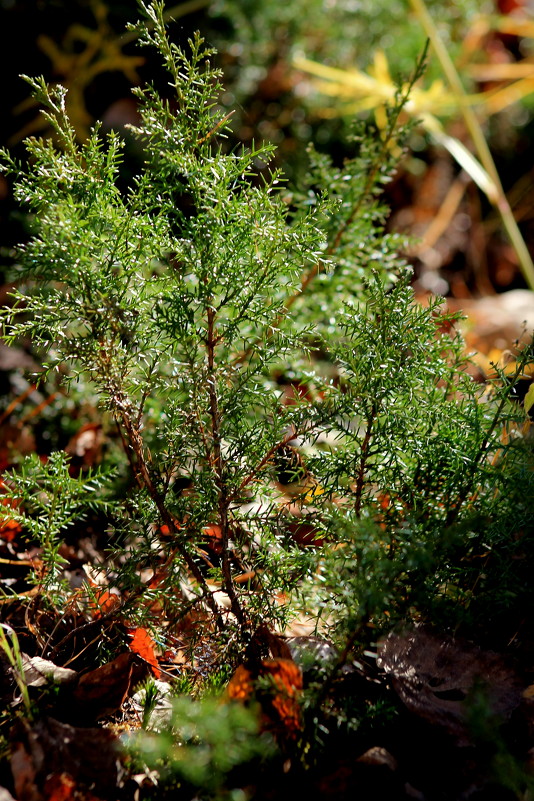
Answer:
(300, 434)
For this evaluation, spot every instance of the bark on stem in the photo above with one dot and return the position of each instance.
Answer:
(218, 466)
(133, 445)
(360, 475)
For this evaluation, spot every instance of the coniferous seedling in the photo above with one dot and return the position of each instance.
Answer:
(271, 380)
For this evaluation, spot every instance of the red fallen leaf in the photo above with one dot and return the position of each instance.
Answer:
(85, 448)
(102, 602)
(9, 528)
(213, 536)
(287, 679)
(304, 532)
(279, 701)
(144, 646)
(241, 686)
(510, 6)
(59, 787)
(62, 787)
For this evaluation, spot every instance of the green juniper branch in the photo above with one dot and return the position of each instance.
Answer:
(185, 301)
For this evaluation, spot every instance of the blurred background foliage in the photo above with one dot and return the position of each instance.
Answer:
(303, 71)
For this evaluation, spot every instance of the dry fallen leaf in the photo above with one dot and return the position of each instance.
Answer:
(85, 447)
(435, 678)
(102, 691)
(276, 684)
(39, 672)
(51, 758)
(144, 646)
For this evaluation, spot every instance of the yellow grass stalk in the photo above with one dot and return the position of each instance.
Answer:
(479, 141)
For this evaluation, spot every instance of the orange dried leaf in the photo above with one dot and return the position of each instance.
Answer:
(144, 646)
(214, 540)
(241, 685)
(59, 787)
(103, 602)
(287, 680)
(280, 703)
(9, 528)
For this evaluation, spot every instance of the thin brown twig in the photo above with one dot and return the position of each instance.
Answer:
(14, 403)
(215, 127)
(360, 476)
(38, 409)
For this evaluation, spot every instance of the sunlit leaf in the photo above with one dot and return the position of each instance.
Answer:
(529, 399)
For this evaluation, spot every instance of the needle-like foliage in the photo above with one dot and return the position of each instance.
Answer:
(269, 374)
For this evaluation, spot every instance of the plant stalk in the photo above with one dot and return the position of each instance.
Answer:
(479, 141)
